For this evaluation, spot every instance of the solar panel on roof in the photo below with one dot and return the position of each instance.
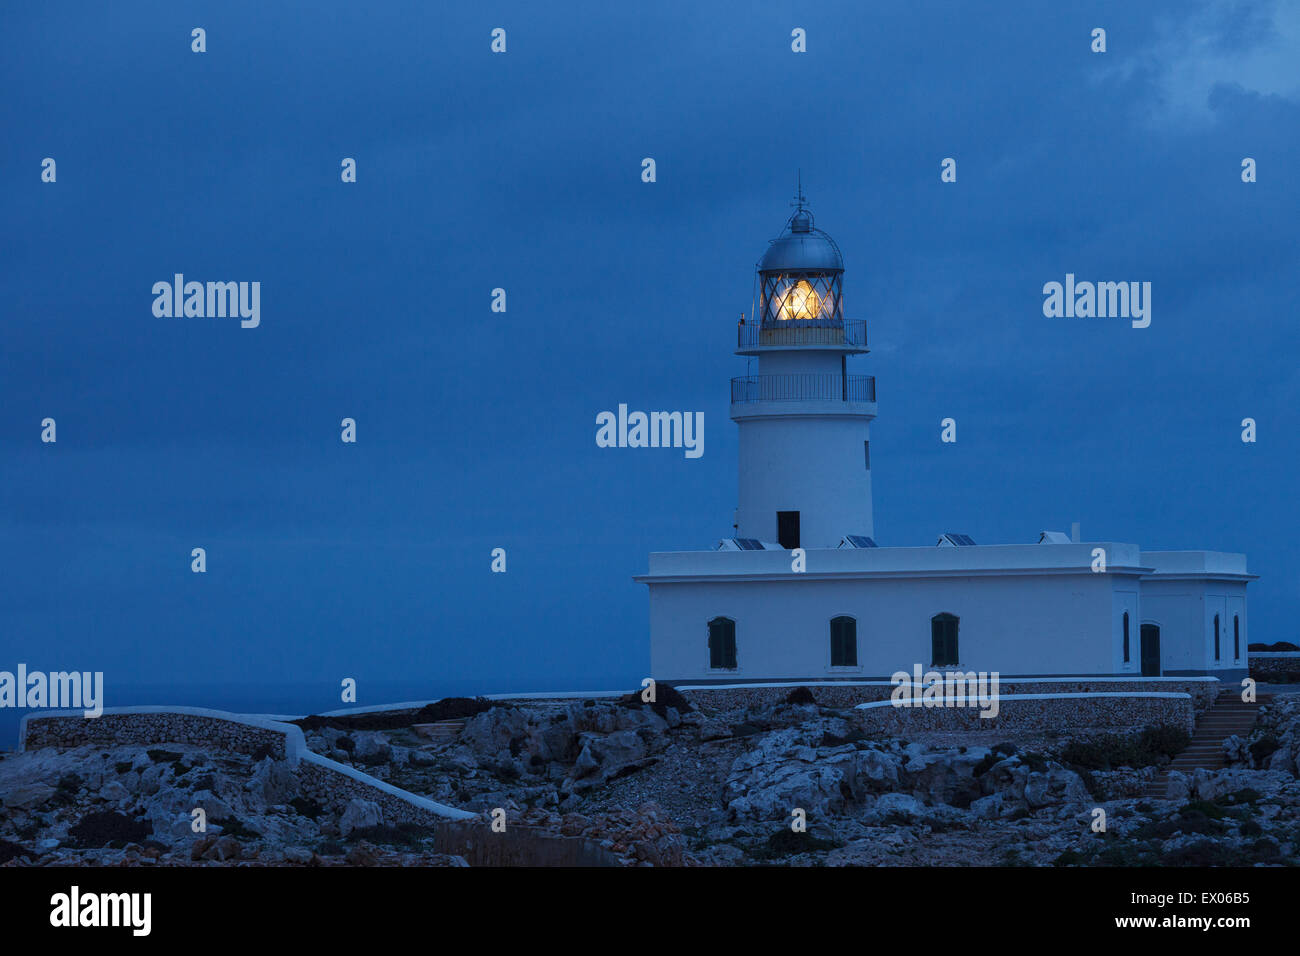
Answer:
(860, 541)
(749, 544)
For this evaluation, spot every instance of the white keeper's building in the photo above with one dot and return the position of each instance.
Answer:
(742, 613)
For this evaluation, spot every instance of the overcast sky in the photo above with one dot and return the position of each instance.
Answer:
(522, 171)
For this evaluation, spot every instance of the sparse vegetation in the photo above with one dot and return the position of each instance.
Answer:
(800, 695)
(1152, 747)
(109, 829)
(236, 828)
(306, 806)
(785, 842)
(449, 708)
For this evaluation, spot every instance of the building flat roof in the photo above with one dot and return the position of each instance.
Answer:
(976, 560)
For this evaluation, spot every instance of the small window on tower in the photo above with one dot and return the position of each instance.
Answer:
(866, 453)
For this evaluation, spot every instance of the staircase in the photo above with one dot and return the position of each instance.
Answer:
(1228, 715)
(440, 731)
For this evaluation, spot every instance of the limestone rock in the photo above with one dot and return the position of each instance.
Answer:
(360, 814)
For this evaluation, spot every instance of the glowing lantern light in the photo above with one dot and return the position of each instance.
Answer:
(801, 302)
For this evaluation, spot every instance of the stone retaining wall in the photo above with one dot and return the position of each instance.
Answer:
(1058, 714)
(333, 785)
(160, 726)
(723, 699)
(1276, 668)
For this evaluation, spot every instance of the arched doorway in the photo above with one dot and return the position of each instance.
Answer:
(1150, 650)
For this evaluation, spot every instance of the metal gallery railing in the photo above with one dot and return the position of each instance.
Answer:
(803, 388)
(789, 334)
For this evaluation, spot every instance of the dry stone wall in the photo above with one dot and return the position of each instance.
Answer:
(848, 694)
(1054, 715)
(211, 729)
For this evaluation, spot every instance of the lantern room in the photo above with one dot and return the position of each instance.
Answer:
(800, 278)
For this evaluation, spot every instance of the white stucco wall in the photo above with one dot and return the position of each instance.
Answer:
(1024, 610)
(816, 466)
(1017, 625)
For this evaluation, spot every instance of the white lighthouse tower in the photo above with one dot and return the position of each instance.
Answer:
(805, 459)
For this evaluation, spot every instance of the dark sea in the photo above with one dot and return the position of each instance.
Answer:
(297, 699)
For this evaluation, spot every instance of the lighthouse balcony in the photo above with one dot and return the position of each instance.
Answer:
(833, 390)
(755, 337)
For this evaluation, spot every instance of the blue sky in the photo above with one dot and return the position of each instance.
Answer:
(522, 170)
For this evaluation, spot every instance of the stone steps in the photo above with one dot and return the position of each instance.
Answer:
(440, 731)
(1228, 716)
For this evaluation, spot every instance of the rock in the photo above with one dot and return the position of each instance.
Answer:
(877, 770)
(461, 762)
(1179, 787)
(151, 779)
(713, 729)
(1282, 759)
(586, 764)
(274, 782)
(297, 854)
(489, 733)
(212, 805)
(1055, 786)
(168, 826)
(618, 749)
(45, 846)
(422, 758)
(363, 854)
(371, 747)
(114, 793)
(360, 814)
(26, 796)
(817, 788)
(724, 854)
(223, 849)
(900, 803)
(987, 808)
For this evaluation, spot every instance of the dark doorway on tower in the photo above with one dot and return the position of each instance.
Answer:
(787, 529)
(943, 639)
(1150, 650)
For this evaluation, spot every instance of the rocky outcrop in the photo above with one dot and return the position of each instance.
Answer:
(788, 769)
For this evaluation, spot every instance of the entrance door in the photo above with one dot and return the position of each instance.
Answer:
(1150, 650)
(787, 529)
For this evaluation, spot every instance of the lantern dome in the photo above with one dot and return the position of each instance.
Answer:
(802, 248)
(800, 277)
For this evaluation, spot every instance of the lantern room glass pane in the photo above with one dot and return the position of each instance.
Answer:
(809, 300)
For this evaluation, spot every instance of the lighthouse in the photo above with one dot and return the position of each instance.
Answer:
(805, 453)
(747, 610)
